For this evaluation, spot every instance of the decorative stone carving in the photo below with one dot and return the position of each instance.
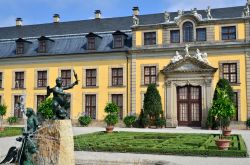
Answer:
(167, 17)
(246, 11)
(209, 16)
(201, 56)
(135, 20)
(195, 13)
(176, 58)
(180, 13)
(186, 50)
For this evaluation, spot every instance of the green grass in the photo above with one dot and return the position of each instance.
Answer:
(159, 143)
(11, 131)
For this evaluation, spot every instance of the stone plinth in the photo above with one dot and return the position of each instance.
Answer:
(55, 143)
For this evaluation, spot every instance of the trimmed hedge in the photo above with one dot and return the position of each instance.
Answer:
(11, 131)
(159, 143)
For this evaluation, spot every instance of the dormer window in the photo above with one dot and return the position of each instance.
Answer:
(118, 42)
(42, 47)
(119, 39)
(43, 44)
(93, 41)
(21, 45)
(20, 48)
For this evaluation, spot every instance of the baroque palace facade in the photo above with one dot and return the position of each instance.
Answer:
(185, 53)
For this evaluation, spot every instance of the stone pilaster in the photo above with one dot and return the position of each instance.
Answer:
(133, 84)
(248, 82)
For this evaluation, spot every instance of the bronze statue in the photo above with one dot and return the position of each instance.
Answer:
(60, 103)
(32, 122)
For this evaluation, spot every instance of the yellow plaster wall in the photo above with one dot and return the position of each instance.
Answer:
(53, 71)
(138, 36)
(241, 31)
(217, 33)
(214, 60)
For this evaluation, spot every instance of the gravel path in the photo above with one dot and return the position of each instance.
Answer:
(104, 158)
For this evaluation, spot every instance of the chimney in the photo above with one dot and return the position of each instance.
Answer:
(56, 18)
(98, 14)
(136, 11)
(19, 22)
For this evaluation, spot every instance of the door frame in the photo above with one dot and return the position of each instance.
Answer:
(189, 102)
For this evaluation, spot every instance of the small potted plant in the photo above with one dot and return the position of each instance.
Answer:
(248, 123)
(112, 116)
(3, 109)
(12, 120)
(160, 122)
(223, 109)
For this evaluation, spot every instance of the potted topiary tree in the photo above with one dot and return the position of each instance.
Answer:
(223, 109)
(112, 116)
(3, 109)
(152, 103)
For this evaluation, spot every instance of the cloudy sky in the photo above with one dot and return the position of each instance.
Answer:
(41, 11)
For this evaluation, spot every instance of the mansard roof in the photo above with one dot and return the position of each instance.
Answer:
(104, 24)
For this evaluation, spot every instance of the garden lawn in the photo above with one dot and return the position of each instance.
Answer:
(159, 143)
(11, 131)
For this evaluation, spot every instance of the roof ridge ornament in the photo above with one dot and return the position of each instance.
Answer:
(246, 11)
(209, 15)
(198, 55)
(167, 17)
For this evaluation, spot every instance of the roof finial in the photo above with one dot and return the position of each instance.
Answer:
(135, 20)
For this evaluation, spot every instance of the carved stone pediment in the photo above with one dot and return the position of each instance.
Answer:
(188, 64)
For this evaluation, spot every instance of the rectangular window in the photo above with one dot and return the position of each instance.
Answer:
(1, 80)
(39, 100)
(42, 47)
(118, 100)
(90, 106)
(235, 99)
(229, 71)
(91, 43)
(117, 76)
(150, 38)
(41, 78)
(66, 77)
(90, 77)
(118, 41)
(1, 101)
(149, 75)
(19, 48)
(19, 79)
(229, 33)
(17, 106)
(201, 34)
(175, 36)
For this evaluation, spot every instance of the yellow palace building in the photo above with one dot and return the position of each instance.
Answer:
(184, 53)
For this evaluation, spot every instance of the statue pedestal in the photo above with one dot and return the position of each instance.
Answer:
(55, 143)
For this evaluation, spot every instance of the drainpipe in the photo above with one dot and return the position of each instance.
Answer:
(127, 85)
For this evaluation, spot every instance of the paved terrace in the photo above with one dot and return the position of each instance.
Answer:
(105, 158)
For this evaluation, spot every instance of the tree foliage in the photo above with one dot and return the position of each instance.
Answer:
(45, 109)
(152, 102)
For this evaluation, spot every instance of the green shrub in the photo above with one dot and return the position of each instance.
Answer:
(248, 122)
(152, 102)
(45, 109)
(84, 120)
(12, 120)
(3, 109)
(225, 85)
(143, 120)
(112, 114)
(160, 122)
(129, 121)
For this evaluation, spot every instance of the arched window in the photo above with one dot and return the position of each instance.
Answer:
(188, 32)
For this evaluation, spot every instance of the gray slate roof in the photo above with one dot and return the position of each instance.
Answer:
(74, 44)
(103, 25)
(63, 45)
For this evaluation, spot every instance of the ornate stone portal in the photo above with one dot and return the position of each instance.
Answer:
(188, 70)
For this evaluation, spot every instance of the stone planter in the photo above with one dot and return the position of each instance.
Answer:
(109, 129)
(223, 144)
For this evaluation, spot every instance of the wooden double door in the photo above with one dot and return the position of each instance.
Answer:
(189, 111)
